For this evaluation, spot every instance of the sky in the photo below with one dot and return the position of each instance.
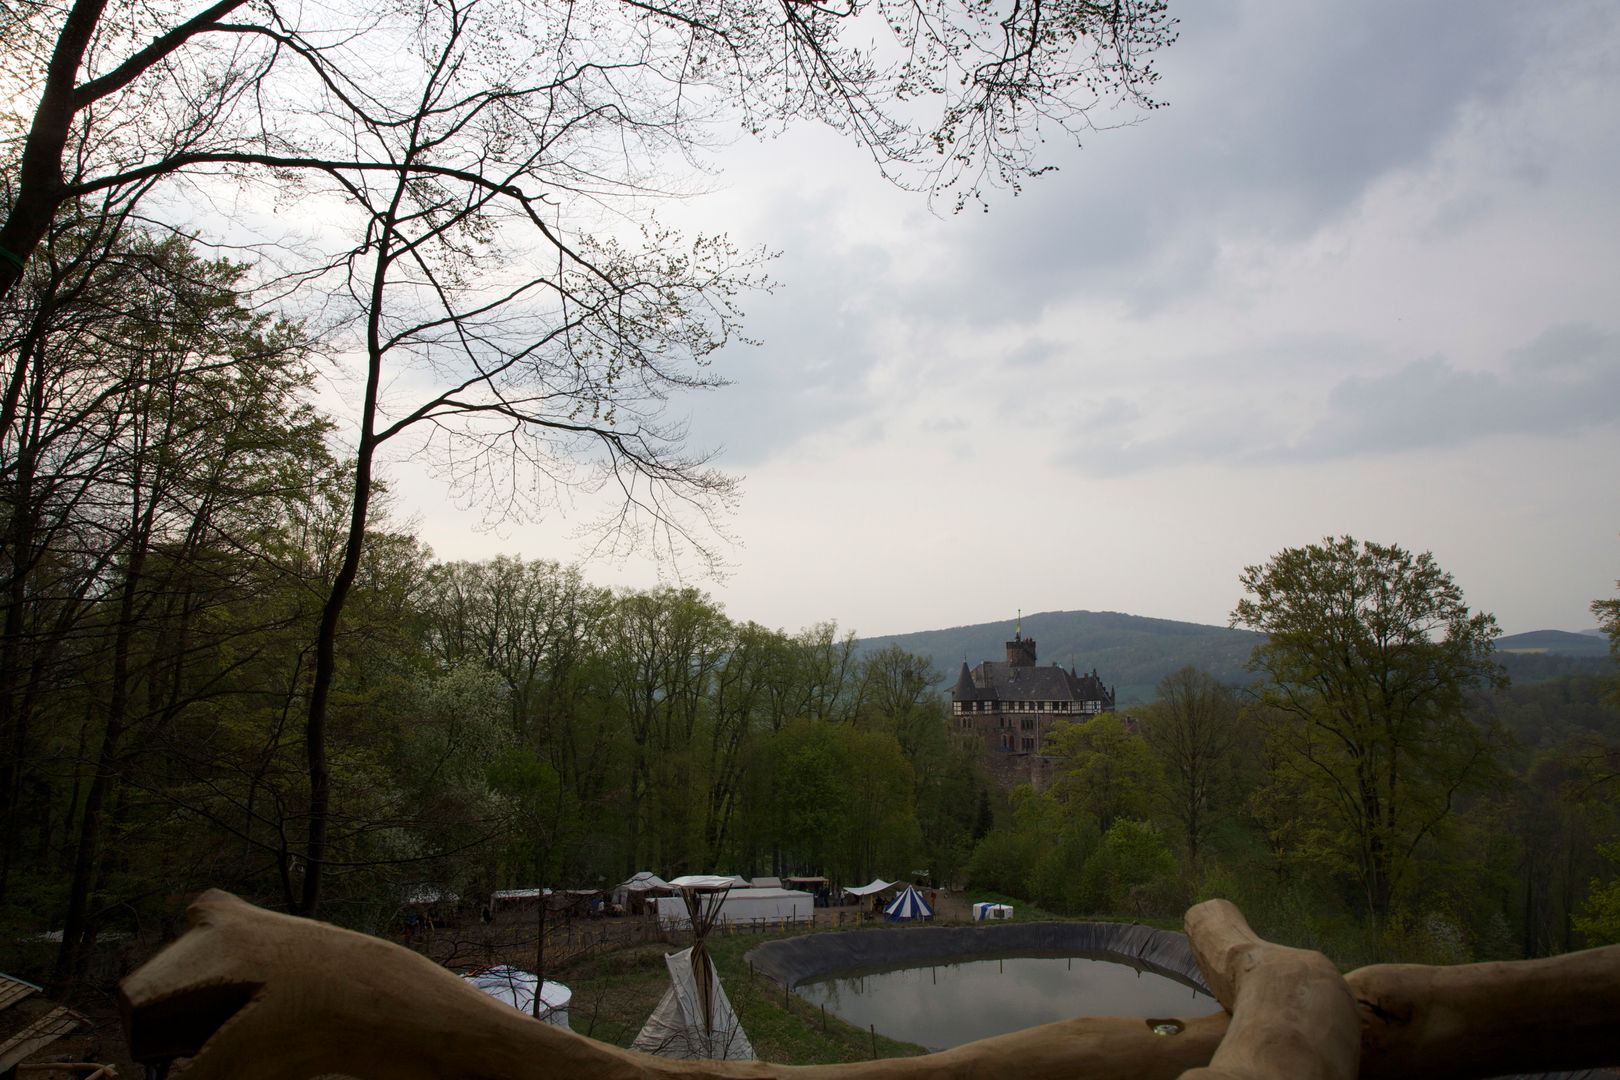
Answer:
(1360, 276)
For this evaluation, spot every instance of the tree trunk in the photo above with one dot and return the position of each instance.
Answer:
(70, 959)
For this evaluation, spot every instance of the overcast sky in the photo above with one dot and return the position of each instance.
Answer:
(1361, 275)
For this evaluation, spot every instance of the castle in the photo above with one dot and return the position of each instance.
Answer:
(1007, 708)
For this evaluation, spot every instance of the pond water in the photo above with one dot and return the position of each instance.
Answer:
(945, 1005)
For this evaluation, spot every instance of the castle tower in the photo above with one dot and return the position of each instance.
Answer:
(1020, 650)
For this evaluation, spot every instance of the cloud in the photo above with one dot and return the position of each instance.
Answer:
(1563, 382)
(817, 345)
(1280, 120)
(1566, 380)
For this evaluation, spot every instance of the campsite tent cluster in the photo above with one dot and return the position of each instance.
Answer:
(694, 1019)
(908, 903)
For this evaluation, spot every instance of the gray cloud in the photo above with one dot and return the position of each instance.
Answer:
(1280, 119)
(810, 370)
(1564, 381)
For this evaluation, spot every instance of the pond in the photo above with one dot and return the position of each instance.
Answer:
(944, 1005)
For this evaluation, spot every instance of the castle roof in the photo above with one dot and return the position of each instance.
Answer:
(996, 680)
(963, 690)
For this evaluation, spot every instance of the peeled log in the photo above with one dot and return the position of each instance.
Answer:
(247, 994)
(1292, 1014)
(1490, 1019)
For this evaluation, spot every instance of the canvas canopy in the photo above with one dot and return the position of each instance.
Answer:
(428, 895)
(504, 898)
(516, 987)
(646, 881)
(877, 885)
(682, 1027)
(744, 905)
(909, 905)
(709, 881)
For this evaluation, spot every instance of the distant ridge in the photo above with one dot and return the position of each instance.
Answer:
(1129, 652)
(1555, 643)
(1133, 652)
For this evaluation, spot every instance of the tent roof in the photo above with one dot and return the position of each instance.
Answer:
(766, 883)
(709, 881)
(676, 1027)
(516, 987)
(644, 881)
(909, 905)
(877, 885)
(519, 894)
(741, 895)
(428, 894)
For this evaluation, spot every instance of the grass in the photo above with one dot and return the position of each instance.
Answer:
(614, 994)
(1024, 911)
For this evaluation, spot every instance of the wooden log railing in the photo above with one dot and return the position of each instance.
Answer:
(248, 994)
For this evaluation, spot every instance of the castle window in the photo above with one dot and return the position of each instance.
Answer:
(1029, 744)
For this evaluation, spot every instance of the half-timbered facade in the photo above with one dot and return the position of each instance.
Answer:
(1009, 707)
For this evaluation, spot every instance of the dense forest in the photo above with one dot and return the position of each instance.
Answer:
(186, 574)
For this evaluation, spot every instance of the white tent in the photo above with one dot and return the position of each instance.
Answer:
(909, 905)
(709, 882)
(744, 905)
(678, 1028)
(516, 988)
(645, 882)
(987, 910)
(877, 885)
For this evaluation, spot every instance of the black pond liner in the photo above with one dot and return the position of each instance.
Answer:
(792, 961)
(795, 960)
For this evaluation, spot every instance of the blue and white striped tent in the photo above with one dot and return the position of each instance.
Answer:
(909, 905)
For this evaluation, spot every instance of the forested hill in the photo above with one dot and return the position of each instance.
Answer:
(1555, 643)
(1130, 653)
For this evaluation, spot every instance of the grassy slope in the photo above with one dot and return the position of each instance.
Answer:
(615, 993)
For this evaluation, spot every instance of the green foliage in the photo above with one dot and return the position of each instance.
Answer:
(1133, 871)
(1103, 770)
(1370, 652)
(1193, 729)
(1062, 861)
(1598, 919)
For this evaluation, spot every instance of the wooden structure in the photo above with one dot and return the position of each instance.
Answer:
(35, 1035)
(247, 994)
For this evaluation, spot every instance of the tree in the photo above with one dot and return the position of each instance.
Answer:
(1599, 918)
(126, 96)
(1104, 770)
(487, 193)
(1607, 613)
(1369, 653)
(1193, 729)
